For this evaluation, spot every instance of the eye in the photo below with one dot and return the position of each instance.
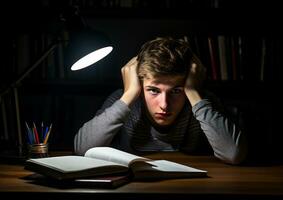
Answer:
(176, 91)
(153, 91)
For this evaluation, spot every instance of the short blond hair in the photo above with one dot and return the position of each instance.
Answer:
(165, 56)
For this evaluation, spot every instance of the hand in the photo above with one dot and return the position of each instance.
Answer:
(132, 86)
(193, 83)
(195, 77)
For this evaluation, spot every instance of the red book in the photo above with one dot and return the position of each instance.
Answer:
(213, 57)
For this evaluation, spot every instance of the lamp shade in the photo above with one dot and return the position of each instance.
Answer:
(86, 47)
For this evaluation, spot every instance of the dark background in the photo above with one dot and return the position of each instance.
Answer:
(52, 93)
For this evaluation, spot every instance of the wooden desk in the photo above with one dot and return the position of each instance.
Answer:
(224, 182)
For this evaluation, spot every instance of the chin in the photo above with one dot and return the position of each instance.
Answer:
(163, 122)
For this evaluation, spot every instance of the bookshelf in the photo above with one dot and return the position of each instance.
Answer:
(248, 42)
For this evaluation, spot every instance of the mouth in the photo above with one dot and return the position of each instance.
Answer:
(162, 115)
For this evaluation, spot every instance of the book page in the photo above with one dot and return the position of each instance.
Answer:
(113, 155)
(67, 164)
(164, 169)
(169, 166)
(164, 166)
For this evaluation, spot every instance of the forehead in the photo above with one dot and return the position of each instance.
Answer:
(172, 81)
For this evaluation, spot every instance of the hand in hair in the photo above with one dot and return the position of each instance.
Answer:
(132, 86)
(194, 82)
(195, 76)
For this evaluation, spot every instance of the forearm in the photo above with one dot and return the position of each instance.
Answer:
(193, 96)
(100, 130)
(226, 139)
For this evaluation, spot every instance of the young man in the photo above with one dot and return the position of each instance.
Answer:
(163, 108)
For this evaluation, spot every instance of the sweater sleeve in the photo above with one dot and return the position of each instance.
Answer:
(100, 130)
(227, 140)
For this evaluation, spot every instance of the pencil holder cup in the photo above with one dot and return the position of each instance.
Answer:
(38, 150)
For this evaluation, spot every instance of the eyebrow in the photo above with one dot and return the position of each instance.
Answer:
(154, 87)
(151, 87)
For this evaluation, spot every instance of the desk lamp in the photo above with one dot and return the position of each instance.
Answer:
(88, 51)
(85, 48)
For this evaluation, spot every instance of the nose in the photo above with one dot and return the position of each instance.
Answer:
(163, 104)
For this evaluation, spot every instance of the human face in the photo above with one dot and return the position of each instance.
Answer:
(164, 97)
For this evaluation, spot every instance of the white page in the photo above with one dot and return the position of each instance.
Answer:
(114, 155)
(72, 163)
(168, 166)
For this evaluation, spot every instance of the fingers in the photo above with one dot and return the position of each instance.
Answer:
(123, 75)
(132, 64)
(128, 69)
(196, 76)
(132, 87)
(199, 71)
(193, 68)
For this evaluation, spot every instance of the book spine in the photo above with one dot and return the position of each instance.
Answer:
(222, 57)
(213, 58)
(262, 64)
(234, 58)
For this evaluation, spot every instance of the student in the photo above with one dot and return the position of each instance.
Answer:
(163, 107)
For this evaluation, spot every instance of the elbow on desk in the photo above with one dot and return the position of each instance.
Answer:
(78, 146)
(235, 157)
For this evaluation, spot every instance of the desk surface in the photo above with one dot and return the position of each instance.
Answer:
(224, 181)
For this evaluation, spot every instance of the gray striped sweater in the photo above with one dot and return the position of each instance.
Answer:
(199, 129)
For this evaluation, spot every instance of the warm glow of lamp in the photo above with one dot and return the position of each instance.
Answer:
(91, 58)
(86, 47)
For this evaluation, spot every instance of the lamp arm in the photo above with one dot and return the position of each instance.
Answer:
(30, 69)
(14, 84)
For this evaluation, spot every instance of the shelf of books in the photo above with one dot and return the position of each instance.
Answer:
(241, 53)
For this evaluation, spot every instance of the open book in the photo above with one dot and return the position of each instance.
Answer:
(109, 161)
